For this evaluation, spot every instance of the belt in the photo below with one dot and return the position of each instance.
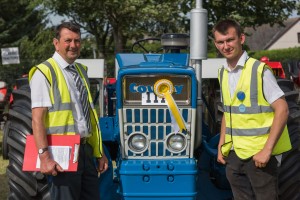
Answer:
(83, 140)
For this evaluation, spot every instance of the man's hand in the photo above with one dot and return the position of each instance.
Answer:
(262, 158)
(220, 158)
(48, 165)
(102, 164)
(281, 111)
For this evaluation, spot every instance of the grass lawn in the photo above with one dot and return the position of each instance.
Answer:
(3, 177)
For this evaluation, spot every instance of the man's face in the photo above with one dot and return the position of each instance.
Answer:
(68, 46)
(230, 44)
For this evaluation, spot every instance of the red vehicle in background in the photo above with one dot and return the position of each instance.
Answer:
(3, 98)
(276, 66)
(293, 71)
(109, 96)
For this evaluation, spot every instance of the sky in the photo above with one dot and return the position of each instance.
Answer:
(56, 19)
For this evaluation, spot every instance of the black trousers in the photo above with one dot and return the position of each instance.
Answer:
(249, 182)
(80, 185)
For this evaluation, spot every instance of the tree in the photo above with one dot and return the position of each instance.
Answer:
(250, 13)
(37, 49)
(117, 21)
(20, 21)
(89, 15)
(298, 8)
(114, 22)
(18, 18)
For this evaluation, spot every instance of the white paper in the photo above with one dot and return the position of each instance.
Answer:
(61, 154)
(149, 98)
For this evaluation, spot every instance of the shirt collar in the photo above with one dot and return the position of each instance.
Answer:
(240, 63)
(61, 62)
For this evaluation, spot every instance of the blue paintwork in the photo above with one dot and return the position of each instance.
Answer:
(158, 179)
(109, 129)
(106, 188)
(138, 59)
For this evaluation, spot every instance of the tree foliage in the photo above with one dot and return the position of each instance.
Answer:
(115, 22)
(17, 19)
(20, 23)
(298, 8)
(250, 12)
(112, 25)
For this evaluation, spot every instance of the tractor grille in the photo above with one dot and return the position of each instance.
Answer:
(146, 116)
(156, 125)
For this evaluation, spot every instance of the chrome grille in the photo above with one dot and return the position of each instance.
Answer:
(155, 123)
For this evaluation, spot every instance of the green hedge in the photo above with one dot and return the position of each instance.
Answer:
(281, 55)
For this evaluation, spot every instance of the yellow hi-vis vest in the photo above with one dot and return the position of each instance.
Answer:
(59, 119)
(248, 121)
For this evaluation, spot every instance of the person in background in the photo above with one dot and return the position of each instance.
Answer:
(62, 104)
(253, 129)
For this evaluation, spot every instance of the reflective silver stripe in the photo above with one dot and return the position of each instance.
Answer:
(56, 92)
(248, 132)
(60, 105)
(61, 129)
(253, 85)
(221, 79)
(249, 110)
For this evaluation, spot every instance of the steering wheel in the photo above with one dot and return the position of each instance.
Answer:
(139, 43)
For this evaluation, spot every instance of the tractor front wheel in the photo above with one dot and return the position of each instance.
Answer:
(22, 185)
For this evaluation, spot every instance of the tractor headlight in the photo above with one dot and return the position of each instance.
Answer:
(176, 142)
(137, 142)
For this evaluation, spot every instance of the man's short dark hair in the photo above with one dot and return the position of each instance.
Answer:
(69, 25)
(223, 26)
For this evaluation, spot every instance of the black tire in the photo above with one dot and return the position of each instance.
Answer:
(289, 172)
(23, 185)
(4, 141)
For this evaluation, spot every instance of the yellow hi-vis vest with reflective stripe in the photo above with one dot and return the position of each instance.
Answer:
(59, 119)
(248, 121)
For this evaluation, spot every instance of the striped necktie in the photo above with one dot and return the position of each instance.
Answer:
(83, 94)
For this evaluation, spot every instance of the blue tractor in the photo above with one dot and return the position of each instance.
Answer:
(157, 150)
(157, 124)
(160, 127)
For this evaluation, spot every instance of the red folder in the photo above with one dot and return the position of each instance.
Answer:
(31, 153)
